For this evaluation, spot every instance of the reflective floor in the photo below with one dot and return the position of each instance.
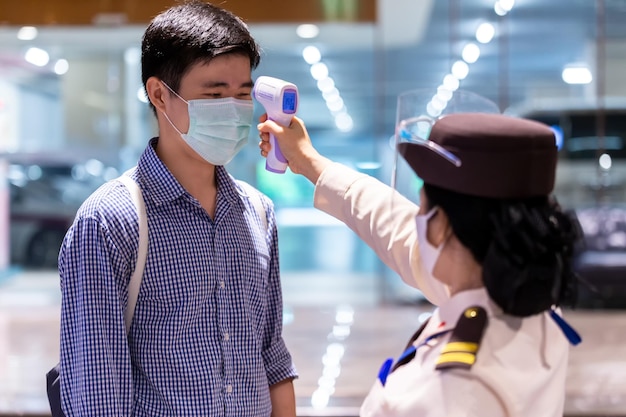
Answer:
(337, 329)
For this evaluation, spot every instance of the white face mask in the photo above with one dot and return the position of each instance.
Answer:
(218, 128)
(428, 253)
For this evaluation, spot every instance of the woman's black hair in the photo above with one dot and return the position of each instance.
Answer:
(524, 246)
(189, 33)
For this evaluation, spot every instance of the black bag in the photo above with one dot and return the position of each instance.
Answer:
(53, 377)
(53, 388)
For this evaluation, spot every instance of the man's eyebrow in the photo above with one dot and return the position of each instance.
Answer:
(216, 84)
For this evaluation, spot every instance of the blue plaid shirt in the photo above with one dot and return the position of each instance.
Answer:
(206, 334)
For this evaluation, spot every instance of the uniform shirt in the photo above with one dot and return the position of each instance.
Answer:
(521, 363)
(206, 336)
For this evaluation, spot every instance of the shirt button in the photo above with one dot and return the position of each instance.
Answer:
(222, 284)
(229, 389)
(226, 336)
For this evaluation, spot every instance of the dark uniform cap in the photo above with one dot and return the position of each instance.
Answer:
(501, 156)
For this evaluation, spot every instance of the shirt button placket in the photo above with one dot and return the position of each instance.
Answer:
(223, 314)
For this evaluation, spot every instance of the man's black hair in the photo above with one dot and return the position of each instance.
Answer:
(189, 33)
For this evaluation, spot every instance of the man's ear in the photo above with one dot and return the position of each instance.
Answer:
(156, 93)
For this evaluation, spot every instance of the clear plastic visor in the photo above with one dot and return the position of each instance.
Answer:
(416, 113)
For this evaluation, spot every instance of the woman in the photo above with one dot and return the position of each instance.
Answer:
(487, 245)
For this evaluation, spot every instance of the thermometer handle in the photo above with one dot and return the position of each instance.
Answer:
(275, 161)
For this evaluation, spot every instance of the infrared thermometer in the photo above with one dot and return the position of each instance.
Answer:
(280, 100)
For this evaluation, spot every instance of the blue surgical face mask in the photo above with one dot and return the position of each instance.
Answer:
(218, 128)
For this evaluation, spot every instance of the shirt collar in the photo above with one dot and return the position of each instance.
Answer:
(160, 185)
(449, 312)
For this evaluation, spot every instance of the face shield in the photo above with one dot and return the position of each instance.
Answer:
(416, 113)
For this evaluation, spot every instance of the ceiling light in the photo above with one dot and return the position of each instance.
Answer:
(460, 70)
(331, 94)
(450, 82)
(499, 9)
(485, 33)
(319, 70)
(577, 74)
(326, 382)
(27, 33)
(471, 53)
(61, 66)
(605, 161)
(335, 105)
(311, 54)
(37, 56)
(438, 102)
(507, 5)
(344, 122)
(432, 110)
(319, 399)
(326, 84)
(307, 31)
(444, 93)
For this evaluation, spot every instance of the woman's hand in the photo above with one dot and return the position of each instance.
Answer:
(295, 145)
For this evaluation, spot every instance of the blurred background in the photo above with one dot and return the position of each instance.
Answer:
(73, 114)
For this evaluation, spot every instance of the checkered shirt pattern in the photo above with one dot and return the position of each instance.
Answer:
(206, 334)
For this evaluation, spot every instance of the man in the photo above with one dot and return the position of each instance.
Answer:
(206, 335)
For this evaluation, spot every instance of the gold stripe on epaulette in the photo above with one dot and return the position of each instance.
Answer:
(460, 347)
(457, 357)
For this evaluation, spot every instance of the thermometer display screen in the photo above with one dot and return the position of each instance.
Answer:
(290, 101)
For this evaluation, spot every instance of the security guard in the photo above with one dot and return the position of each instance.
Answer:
(487, 245)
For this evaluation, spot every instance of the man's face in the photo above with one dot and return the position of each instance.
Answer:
(224, 76)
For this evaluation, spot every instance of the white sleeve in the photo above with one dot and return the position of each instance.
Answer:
(381, 217)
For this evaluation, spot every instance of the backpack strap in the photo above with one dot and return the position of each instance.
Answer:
(142, 251)
(53, 378)
(461, 349)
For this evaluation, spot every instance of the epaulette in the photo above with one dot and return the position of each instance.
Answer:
(461, 349)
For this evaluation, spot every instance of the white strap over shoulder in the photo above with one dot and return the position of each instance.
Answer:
(255, 198)
(142, 252)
